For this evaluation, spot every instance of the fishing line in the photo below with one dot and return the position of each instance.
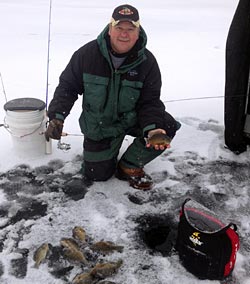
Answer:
(48, 56)
(3, 88)
(247, 99)
(202, 98)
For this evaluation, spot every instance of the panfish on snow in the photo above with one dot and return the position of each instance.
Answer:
(69, 243)
(72, 250)
(79, 234)
(83, 278)
(106, 247)
(103, 270)
(40, 254)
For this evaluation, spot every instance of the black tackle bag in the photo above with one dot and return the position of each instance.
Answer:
(207, 246)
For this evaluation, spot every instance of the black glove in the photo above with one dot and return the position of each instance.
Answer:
(54, 129)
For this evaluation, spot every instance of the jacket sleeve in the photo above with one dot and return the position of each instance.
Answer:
(70, 86)
(150, 109)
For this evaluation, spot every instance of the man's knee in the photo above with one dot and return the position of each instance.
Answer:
(97, 163)
(99, 171)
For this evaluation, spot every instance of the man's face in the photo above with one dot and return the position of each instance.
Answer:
(123, 36)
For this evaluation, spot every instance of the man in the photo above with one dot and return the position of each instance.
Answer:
(237, 102)
(120, 82)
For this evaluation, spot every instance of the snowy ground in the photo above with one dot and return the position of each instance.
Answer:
(41, 198)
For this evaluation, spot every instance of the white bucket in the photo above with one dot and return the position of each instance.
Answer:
(26, 122)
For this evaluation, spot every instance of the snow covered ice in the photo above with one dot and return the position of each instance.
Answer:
(42, 198)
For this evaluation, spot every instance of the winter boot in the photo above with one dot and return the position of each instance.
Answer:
(136, 177)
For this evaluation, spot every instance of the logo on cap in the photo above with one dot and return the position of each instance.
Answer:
(126, 11)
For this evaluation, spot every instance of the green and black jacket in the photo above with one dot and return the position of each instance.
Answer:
(114, 101)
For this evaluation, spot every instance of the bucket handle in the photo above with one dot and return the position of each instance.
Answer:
(6, 126)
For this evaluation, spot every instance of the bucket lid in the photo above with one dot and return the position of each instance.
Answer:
(24, 104)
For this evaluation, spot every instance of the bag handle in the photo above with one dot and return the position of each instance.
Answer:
(183, 204)
(230, 225)
(223, 230)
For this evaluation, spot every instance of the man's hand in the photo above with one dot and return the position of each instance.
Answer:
(54, 130)
(158, 139)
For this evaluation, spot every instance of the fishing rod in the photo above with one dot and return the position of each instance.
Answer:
(2, 124)
(48, 145)
(48, 56)
(193, 99)
(70, 134)
(3, 88)
(202, 98)
(247, 110)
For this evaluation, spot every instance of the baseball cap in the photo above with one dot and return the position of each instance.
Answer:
(125, 13)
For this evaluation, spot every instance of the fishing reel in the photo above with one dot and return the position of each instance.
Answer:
(63, 146)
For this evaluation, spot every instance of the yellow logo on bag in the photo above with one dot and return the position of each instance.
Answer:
(195, 238)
